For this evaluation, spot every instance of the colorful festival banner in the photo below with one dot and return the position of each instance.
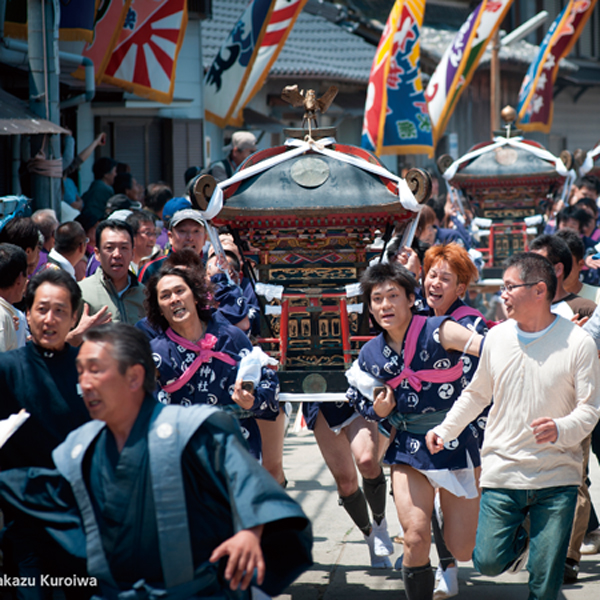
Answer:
(226, 79)
(280, 25)
(110, 19)
(457, 67)
(76, 20)
(396, 120)
(144, 59)
(535, 109)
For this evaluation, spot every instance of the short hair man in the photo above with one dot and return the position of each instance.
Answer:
(23, 232)
(156, 195)
(13, 279)
(587, 186)
(243, 144)
(100, 190)
(47, 222)
(571, 217)
(69, 247)
(572, 283)
(192, 495)
(557, 252)
(543, 374)
(186, 230)
(113, 285)
(41, 377)
(144, 237)
(126, 183)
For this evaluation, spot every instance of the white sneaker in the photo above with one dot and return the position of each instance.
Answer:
(377, 562)
(446, 583)
(383, 545)
(591, 543)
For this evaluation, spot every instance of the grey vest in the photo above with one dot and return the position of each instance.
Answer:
(171, 428)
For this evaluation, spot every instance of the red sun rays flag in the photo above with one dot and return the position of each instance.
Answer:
(145, 57)
(280, 25)
(455, 71)
(535, 109)
(244, 59)
(396, 120)
(109, 22)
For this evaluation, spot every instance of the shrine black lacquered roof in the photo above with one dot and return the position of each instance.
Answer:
(313, 186)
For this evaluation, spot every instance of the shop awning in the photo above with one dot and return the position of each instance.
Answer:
(17, 119)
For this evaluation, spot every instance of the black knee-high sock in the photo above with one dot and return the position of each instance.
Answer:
(445, 555)
(356, 507)
(375, 493)
(418, 582)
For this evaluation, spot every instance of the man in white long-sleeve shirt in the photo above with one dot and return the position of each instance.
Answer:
(543, 374)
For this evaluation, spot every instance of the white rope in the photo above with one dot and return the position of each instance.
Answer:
(499, 142)
(588, 163)
(353, 289)
(297, 148)
(268, 290)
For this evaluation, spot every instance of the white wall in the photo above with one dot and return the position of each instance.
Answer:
(578, 122)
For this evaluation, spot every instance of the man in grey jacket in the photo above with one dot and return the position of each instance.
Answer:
(113, 285)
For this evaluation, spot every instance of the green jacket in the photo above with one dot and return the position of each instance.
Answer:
(98, 291)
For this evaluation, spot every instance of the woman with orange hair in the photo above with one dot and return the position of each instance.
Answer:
(448, 271)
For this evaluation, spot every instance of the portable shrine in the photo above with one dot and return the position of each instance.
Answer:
(507, 183)
(307, 214)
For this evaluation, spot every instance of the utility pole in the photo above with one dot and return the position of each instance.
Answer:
(43, 18)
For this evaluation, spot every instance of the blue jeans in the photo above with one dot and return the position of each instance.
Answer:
(501, 536)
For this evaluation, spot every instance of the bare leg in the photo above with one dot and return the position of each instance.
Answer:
(337, 453)
(272, 434)
(358, 442)
(364, 441)
(460, 522)
(413, 495)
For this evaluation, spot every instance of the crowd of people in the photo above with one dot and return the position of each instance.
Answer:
(128, 339)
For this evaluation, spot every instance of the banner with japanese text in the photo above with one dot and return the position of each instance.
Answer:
(396, 119)
(458, 64)
(144, 59)
(535, 109)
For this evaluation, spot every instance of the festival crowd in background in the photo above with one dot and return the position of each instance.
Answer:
(482, 418)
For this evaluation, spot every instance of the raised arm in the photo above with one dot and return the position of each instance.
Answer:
(456, 337)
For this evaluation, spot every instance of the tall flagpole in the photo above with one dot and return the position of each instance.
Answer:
(495, 90)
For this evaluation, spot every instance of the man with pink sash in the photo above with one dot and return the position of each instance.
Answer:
(417, 362)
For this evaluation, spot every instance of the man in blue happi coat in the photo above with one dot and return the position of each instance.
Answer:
(171, 502)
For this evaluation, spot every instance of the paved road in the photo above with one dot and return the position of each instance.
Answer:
(341, 556)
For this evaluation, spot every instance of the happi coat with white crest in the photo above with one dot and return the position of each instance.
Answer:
(427, 380)
(205, 373)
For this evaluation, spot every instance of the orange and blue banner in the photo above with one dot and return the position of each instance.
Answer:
(244, 60)
(76, 20)
(458, 64)
(144, 59)
(396, 119)
(535, 109)
(110, 18)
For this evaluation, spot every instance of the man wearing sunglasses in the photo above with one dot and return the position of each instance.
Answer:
(543, 374)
